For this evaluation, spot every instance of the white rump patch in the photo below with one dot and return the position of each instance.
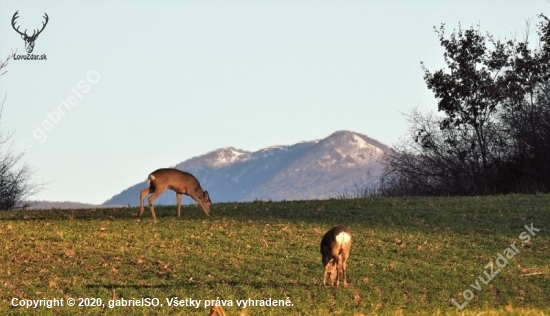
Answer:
(343, 238)
(150, 178)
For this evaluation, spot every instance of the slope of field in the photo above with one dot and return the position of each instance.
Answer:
(409, 256)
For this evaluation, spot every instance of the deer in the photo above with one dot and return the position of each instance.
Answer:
(216, 310)
(335, 247)
(178, 181)
(29, 40)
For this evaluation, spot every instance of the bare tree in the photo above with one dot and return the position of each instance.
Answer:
(4, 64)
(15, 177)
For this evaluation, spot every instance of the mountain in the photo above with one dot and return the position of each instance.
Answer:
(308, 170)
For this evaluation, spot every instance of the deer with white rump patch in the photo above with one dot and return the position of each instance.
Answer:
(335, 247)
(178, 181)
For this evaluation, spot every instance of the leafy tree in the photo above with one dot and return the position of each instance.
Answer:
(470, 89)
(491, 133)
(526, 112)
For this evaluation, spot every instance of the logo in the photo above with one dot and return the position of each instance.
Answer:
(29, 40)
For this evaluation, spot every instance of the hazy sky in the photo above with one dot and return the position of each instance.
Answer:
(132, 86)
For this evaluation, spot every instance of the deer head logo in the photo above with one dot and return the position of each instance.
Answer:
(29, 40)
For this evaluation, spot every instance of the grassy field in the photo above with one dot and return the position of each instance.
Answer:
(409, 256)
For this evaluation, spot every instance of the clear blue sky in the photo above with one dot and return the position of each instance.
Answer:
(158, 82)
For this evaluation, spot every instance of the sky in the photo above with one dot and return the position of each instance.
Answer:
(128, 87)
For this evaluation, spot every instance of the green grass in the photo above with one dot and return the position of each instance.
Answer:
(409, 256)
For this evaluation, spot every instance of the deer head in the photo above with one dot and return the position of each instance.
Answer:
(29, 40)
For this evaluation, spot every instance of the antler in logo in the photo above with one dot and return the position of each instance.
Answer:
(29, 40)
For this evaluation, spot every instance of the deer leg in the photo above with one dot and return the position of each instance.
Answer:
(142, 195)
(344, 271)
(178, 199)
(338, 266)
(345, 265)
(152, 199)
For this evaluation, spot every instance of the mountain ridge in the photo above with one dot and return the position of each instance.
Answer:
(314, 169)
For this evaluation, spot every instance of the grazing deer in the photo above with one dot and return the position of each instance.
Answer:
(179, 181)
(335, 247)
